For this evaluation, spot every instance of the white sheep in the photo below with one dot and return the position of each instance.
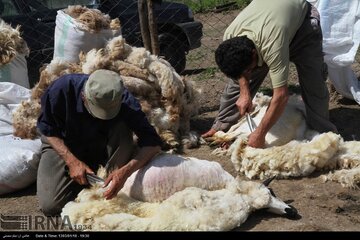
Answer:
(290, 126)
(175, 193)
(292, 149)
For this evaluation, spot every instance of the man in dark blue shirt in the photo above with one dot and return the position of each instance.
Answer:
(85, 121)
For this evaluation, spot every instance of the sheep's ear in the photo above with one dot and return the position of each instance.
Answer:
(268, 181)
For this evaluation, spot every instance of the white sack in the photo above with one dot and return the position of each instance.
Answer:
(19, 158)
(71, 38)
(340, 23)
(19, 161)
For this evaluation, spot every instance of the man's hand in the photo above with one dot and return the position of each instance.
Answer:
(209, 133)
(78, 170)
(256, 140)
(117, 179)
(244, 104)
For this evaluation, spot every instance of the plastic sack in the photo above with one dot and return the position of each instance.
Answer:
(19, 158)
(340, 23)
(71, 38)
(19, 161)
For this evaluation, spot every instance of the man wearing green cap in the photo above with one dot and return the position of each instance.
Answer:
(85, 121)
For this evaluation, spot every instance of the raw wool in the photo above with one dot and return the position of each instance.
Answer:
(93, 20)
(348, 155)
(25, 119)
(348, 160)
(117, 48)
(26, 115)
(216, 201)
(127, 69)
(294, 159)
(139, 57)
(13, 50)
(95, 59)
(170, 103)
(11, 43)
(168, 100)
(326, 151)
(292, 149)
(90, 29)
(349, 178)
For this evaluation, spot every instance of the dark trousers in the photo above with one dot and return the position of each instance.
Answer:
(306, 53)
(55, 188)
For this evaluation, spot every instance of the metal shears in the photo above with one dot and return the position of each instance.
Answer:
(251, 123)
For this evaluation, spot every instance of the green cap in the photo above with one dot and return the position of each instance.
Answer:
(103, 93)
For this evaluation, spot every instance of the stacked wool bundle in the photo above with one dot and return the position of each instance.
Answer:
(168, 100)
(11, 43)
(293, 150)
(173, 193)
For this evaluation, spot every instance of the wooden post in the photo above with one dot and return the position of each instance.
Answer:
(155, 49)
(144, 24)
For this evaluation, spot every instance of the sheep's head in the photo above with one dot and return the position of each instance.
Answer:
(259, 195)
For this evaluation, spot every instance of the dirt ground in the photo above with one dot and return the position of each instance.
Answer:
(322, 206)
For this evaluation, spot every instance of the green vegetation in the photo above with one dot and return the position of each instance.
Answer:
(208, 5)
(206, 74)
(293, 89)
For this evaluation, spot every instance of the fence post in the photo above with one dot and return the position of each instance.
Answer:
(155, 49)
(144, 24)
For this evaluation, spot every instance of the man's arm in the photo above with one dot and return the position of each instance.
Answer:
(244, 102)
(275, 109)
(119, 176)
(77, 168)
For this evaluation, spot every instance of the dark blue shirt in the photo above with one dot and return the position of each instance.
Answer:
(64, 115)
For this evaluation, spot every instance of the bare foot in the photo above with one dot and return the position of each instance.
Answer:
(209, 133)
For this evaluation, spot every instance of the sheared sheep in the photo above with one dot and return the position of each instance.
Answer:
(292, 149)
(177, 194)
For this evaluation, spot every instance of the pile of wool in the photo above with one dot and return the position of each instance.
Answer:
(25, 116)
(11, 43)
(168, 100)
(326, 151)
(173, 193)
(92, 20)
(292, 149)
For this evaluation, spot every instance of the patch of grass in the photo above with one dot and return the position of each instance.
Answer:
(293, 89)
(207, 74)
(198, 6)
